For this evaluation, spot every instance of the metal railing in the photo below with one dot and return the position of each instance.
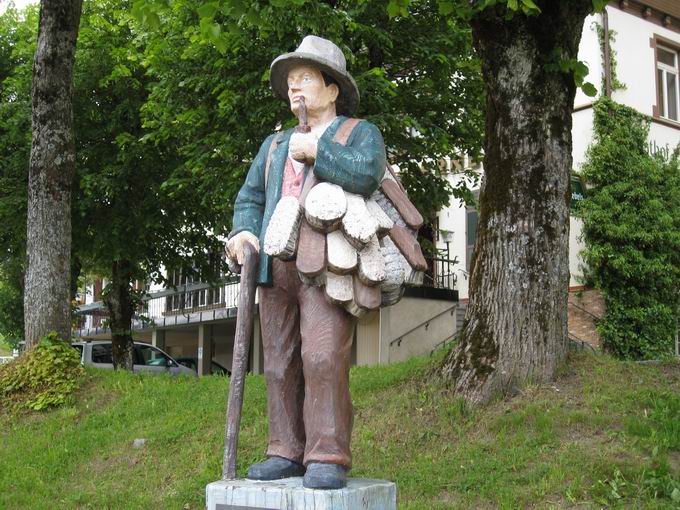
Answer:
(193, 302)
(445, 342)
(451, 311)
(440, 273)
(191, 298)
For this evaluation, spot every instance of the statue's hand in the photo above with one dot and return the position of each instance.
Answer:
(302, 147)
(235, 245)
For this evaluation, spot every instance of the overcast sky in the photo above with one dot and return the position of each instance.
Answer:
(19, 3)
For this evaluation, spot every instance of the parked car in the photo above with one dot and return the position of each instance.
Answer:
(147, 358)
(215, 367)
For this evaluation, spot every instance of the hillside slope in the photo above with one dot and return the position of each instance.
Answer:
(605, 434)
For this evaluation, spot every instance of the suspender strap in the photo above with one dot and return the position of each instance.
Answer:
(342, 135)
(344, 131)
(272, 147)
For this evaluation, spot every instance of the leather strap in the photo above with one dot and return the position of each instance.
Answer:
(396, 178)
(343, 133)
(310, 182)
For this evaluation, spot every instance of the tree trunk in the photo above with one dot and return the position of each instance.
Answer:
(120, 305)
(516, 322)
(47, 305)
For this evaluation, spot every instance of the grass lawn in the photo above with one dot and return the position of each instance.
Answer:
(605, 434)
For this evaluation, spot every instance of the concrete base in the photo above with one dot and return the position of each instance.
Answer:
(288, 494)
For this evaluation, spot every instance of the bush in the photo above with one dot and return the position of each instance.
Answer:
(631, 229)
(44, 376)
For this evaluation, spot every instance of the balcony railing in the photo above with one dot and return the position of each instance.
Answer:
(184, 304)
(440, 273)
(190, 298)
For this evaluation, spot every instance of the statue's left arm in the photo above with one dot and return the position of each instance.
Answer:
(357, 167)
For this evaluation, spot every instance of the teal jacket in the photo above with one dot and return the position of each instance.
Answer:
(358, 167)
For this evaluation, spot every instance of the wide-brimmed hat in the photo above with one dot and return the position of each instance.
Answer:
(327, 57)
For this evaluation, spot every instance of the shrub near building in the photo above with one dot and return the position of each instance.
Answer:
(631, 228)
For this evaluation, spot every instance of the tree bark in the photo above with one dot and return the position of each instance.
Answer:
(516, 322)
(47, 305)
(121, 307)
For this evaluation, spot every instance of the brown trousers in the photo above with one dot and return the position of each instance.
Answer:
(307, 343)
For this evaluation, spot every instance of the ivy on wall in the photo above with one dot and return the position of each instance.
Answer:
(631, 230)
(616, 83)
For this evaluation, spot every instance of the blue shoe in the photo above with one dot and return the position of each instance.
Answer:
(325, 476)
(275, 468)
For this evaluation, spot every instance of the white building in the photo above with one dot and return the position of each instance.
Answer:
(645, 45)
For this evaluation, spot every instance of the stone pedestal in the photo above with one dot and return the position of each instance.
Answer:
(288, 494)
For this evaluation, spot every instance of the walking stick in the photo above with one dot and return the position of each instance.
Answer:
(244, 331)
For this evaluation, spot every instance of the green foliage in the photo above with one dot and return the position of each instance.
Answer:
(11, 310)
(123, 207)
(212, 101)
(18, 32)
(468, 8)
(599, 5)
(631, 229)
(579, 70)
(654, 483)
(5, 347)
(43, 377)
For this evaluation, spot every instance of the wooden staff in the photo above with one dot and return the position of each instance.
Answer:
(244, 331)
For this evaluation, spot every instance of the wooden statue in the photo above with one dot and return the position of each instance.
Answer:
(338, 238)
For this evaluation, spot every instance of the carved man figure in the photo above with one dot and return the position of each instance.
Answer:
(307, 340)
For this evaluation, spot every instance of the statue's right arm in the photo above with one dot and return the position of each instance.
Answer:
(250, 201)
(249, 206)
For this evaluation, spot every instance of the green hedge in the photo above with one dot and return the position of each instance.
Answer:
(631, 230)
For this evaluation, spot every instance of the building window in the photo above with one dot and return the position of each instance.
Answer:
(667, 82)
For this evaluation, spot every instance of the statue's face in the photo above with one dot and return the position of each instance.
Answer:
(305, 80)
